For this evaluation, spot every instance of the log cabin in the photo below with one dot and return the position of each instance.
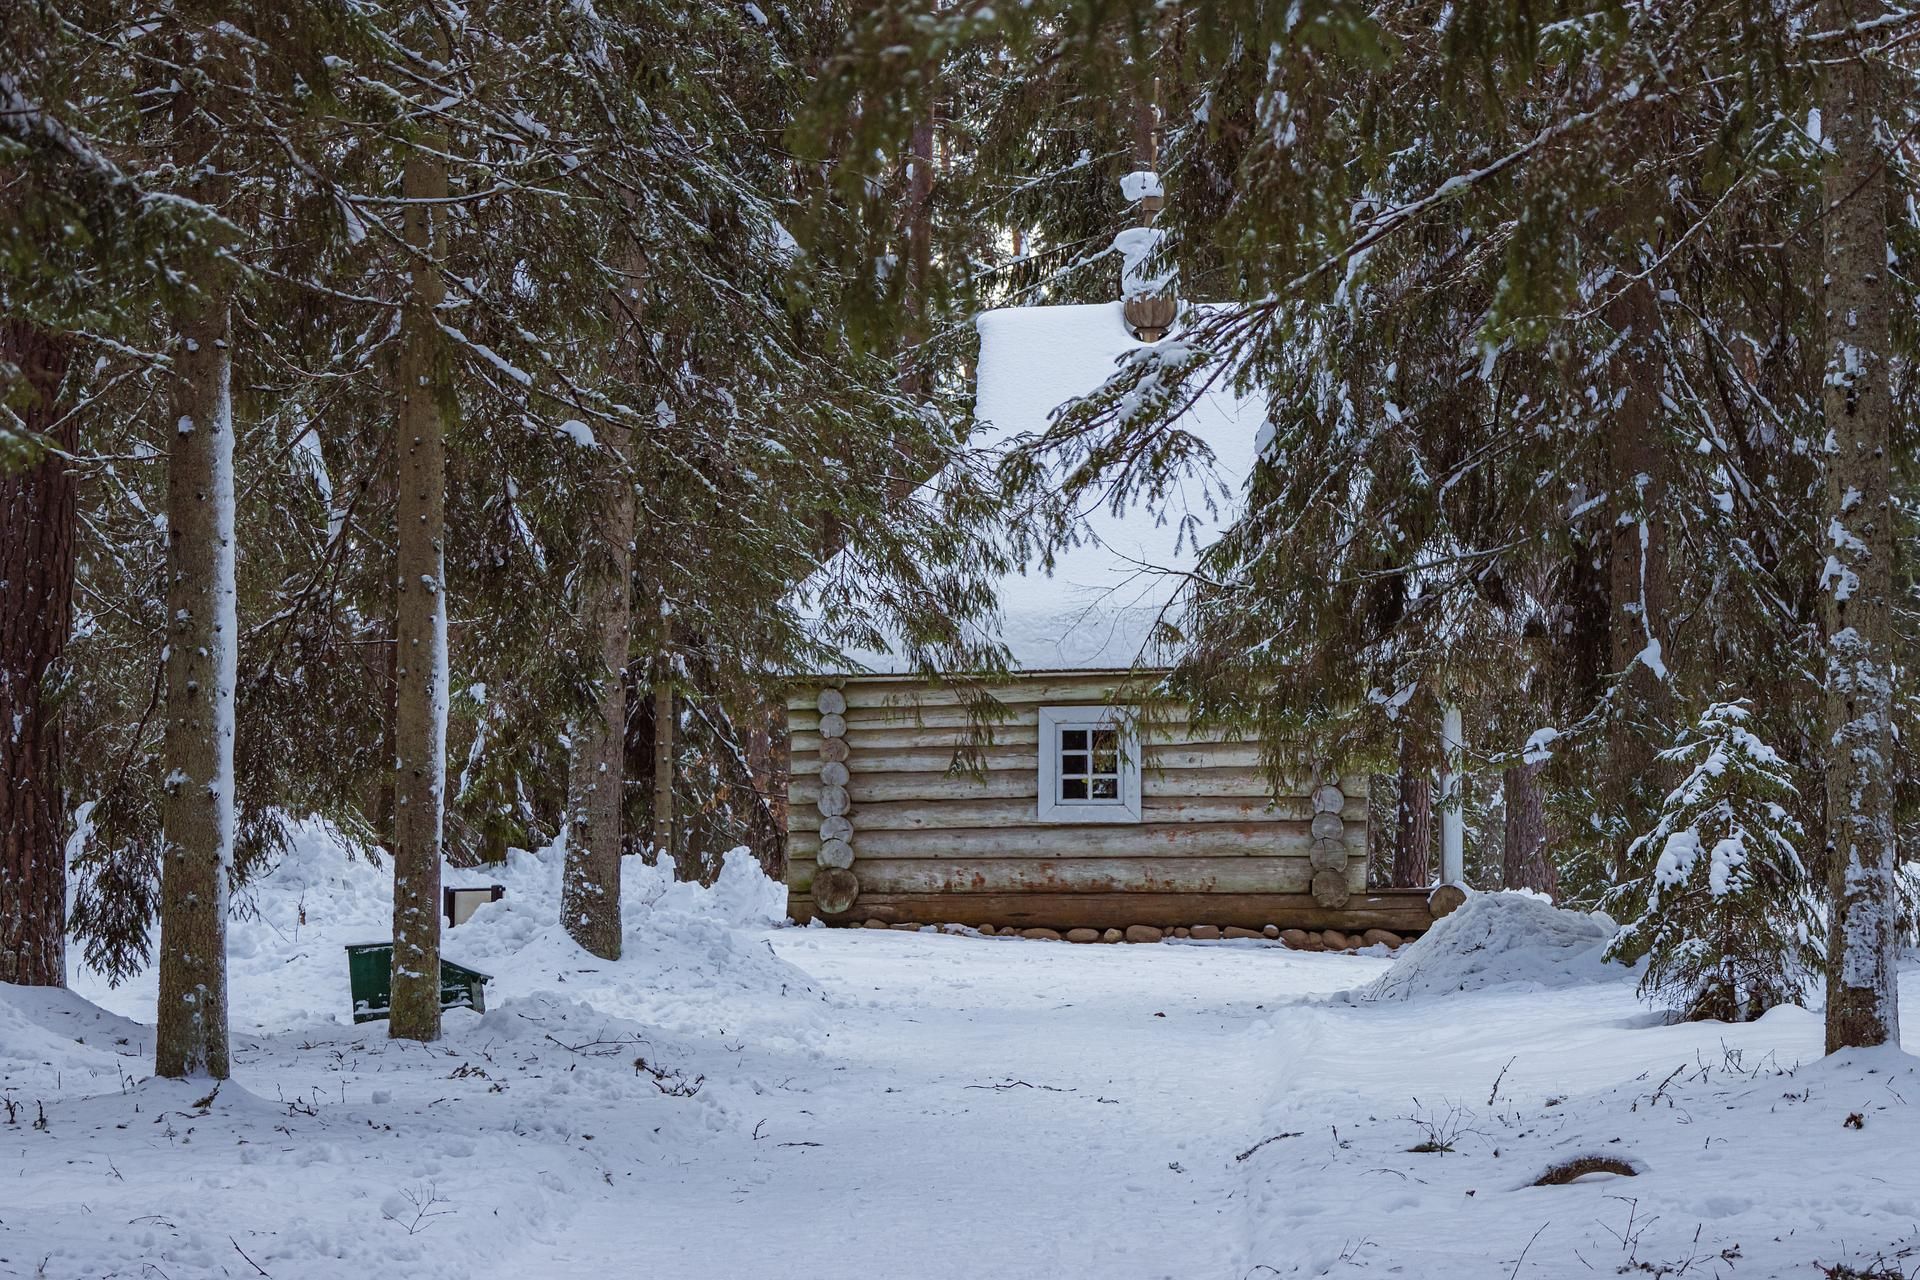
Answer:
(1083, 812)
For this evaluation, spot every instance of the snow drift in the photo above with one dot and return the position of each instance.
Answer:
(1497, 939)
(286, 941)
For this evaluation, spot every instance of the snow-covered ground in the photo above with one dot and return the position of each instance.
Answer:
(734, 1099)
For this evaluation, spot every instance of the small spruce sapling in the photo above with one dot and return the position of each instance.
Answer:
(1719, 901)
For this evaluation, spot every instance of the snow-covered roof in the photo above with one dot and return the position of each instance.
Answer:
(1097, 608)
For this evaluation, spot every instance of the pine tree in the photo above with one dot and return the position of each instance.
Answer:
(1725, 912)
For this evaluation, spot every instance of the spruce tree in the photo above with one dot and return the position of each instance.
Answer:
(1725, 911)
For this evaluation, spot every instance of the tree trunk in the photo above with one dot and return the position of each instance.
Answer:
(36, 614)
(420, 619)
(389, 755)
(1524, 863)
(1862, 1005)
(1638, 572)
(590, 892)
(911, 468)
(920, 222)
(197, 796)
(663, 759)
(196, 808)
(1413, 841)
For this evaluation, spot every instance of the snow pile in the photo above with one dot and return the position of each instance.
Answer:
(48, 1035)
(689, 959)
(742, 896)
(1495, 939)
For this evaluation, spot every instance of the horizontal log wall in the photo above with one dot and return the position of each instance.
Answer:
(1404, 911)
(927, 841)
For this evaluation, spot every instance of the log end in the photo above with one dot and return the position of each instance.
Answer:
(1328, 826)
(1330, 889)
(835, 889)
(1327, 855)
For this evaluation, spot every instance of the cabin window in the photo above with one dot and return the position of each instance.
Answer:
(1089, 764)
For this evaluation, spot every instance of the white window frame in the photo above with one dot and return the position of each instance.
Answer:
(1126, 806)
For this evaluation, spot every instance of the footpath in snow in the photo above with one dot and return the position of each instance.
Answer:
(738, 1099)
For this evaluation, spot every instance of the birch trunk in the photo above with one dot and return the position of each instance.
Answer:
(36, 616)
(1862, 1007)
(590, 892)
(1638, 572)
(1413, 839)
(420, 616)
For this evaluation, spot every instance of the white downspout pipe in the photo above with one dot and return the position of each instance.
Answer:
(1453, 823)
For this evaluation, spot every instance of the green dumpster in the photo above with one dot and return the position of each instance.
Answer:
(370, 972)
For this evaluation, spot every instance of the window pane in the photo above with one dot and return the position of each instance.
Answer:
(1073, 739)
(1073, 788)
(1107, 761)
(1105, 739)
(1106, 788)
(1073, 763)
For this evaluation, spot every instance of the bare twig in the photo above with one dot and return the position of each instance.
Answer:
(250, 1262)
(1495, 1091)
(1263, 1142)
(1019, 1084)
(1523, 1253)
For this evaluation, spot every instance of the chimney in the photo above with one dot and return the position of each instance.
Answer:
(1147, 300)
